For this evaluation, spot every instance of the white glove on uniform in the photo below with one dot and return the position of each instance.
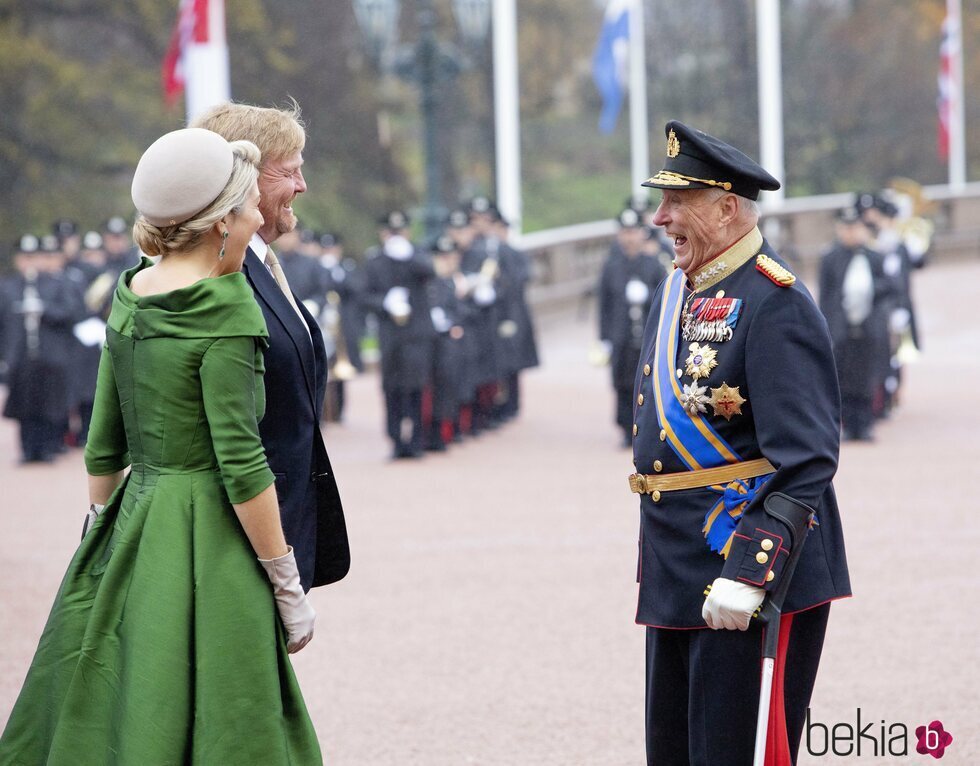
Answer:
(730, 604)
(295, 610)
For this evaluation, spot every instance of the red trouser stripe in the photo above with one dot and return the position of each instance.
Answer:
(777, 741)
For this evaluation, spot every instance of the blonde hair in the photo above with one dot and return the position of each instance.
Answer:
(278, 132)
(162, 240)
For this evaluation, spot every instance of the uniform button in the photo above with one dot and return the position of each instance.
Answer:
(658, 466)
(720, 294)
(766, 544)
(680, 372)
(761, 557)
(646, 369)
(771, 576)
(639, 400)
(663, 435)
(636, 430)
(655, 495)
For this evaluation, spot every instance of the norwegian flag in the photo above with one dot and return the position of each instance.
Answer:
(946, 101)
(196, 61)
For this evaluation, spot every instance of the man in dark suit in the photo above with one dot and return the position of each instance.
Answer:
(295, 361)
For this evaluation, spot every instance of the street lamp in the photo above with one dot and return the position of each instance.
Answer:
(428, 63)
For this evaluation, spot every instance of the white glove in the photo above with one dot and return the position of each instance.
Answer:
(484, 294)
(396, 302)
(899, 321)
(295, 610)
(730, 604)
(636, 291)
(440, 321)
(90, 516)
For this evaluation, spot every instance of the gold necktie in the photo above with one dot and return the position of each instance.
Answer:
(280, 276)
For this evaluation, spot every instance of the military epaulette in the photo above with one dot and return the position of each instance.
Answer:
(778, 274)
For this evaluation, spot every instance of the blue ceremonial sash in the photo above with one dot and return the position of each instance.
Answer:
(694, 441)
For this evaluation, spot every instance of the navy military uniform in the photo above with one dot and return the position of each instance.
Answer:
(396, 291)
(735, 406)
(342, 321)
(856, 308)
(449, 349)
(626, 287)
(40, 308)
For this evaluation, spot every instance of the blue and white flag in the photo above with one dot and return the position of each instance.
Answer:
(610, 62)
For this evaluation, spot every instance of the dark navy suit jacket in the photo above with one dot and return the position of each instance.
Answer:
(295, 379)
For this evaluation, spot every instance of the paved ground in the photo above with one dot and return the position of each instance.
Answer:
(488, 615)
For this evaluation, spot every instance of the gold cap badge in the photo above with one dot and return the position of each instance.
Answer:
(673, 145)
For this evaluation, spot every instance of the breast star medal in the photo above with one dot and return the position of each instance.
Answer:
(726, 401)
(701, 361)
(693, 399)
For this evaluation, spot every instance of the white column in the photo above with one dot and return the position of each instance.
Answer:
(639, 132)
(507, 118)
(770, 93)
(206, 78)
(957, 116)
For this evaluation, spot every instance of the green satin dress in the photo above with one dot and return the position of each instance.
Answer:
(164, 645)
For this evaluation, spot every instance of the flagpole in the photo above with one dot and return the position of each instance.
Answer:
(507, 118)
(957, 116)
(639, 131)
(770, 93)
(206, 75)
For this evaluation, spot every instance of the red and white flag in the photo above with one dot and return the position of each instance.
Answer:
(946, 101)
(196, 61)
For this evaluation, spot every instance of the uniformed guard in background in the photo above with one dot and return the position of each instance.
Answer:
(855, 298)
(627, 283)
(486, 281)
(881, 216)
(120, 252)
(448, 312)
(735, 443)
(41, 307)
(515, 324)
(396, 283)
(460, 230)
(342, 321)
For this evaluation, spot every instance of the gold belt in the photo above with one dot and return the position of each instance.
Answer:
(644, 483)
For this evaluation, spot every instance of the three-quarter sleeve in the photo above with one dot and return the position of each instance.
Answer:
(228, 383)
(106, 450)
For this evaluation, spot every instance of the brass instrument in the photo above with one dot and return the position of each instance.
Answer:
(341, 369)
(99, 291)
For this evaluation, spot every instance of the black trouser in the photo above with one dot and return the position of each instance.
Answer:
(39, 439)
(702, 694)
(857, 415)
(405, 405)
(512, 403)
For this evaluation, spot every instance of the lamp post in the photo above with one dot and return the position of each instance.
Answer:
(428, 63)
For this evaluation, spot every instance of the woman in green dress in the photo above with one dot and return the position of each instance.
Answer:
(166, 643)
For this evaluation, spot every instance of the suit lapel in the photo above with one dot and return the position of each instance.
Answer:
(270, 295)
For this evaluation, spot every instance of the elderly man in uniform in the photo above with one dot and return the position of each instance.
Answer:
(735, 443)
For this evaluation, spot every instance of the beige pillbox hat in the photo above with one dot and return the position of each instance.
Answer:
(180, 174)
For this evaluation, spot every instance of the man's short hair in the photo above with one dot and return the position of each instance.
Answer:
(278, 132)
